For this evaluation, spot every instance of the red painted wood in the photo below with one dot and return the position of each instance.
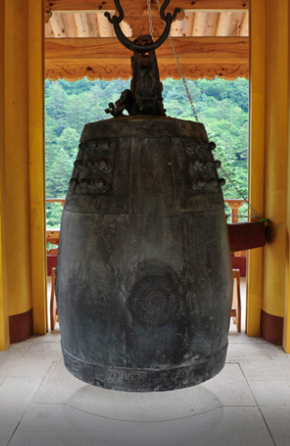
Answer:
(241, 264)
(272, 328)
(20, 326)
(246, 235)
(51, 263)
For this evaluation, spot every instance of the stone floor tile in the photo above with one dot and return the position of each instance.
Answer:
(24, 367)
(17, 350)
(271, 393)
(58, 385)
(242, 338)
(231, 387)
(254, 351)
(51, 336)
(45, 425)
(266, 370)
(15, 396)
(44, 351)
(48, 425)
(278, 420)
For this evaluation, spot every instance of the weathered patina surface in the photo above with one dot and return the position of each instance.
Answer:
(144, 275)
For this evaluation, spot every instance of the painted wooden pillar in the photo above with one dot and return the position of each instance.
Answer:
(276, 154)
(269, 154)
(37, 165)
(257, 155)
(286, 326)
(4, 309)
(24, 168)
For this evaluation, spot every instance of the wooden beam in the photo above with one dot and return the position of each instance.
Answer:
(104, 5)
(107, 58)
(231, 49)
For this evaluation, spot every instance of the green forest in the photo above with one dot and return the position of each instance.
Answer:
(222, 106)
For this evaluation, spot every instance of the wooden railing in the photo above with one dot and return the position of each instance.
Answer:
(55, 200)
(235, 205)
(52, 234)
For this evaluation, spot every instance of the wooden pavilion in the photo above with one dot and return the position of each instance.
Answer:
(70, 39)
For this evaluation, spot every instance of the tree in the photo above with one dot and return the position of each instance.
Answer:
(221, 105)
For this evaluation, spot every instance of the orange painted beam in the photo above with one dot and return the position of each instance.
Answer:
(104, 5)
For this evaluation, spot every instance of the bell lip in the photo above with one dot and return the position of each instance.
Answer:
(146, 379)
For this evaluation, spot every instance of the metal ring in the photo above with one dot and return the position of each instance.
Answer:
(144, 48)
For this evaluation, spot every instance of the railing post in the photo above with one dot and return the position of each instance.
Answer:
(235, 205)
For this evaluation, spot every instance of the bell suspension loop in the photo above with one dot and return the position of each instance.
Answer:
(145, 95)
(168, 19)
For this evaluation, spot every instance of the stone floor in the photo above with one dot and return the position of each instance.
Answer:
(247, 404)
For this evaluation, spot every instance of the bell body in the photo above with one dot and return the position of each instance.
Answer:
(144, 279)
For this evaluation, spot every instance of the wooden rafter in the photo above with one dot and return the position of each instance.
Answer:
(107, 59)
(245, 25)
(211, 24)
(231, 49)
(103, 5)
(224, 23)
(199, 24)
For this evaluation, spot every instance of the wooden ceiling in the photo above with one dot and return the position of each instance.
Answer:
(211, 39)
(188, 24)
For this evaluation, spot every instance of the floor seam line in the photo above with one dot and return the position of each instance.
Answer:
(259, 408)
(28, 406)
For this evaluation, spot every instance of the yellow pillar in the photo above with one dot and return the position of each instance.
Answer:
(276, 153)
(286, 327)
(257, 149)
(17, 157)
(4, 309)
(37, 165)
(269, 55)
(24, 167)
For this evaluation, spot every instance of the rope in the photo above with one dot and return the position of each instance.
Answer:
(175, 55)
(255, 214)
(150, 17)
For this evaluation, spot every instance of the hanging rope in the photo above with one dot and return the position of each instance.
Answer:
(175, 55)
(255, 214)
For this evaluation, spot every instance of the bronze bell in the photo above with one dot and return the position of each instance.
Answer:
(144, 279)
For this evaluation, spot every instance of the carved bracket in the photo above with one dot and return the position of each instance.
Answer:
(75, 70)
